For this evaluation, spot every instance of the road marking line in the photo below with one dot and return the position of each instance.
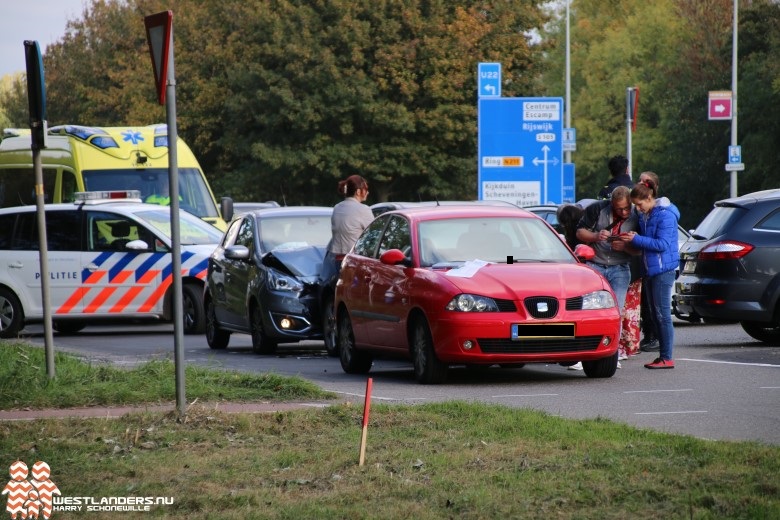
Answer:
(730, 362)
(665, 413)
(383, 398)
(523, 395)
(769, 387)
(656, 391)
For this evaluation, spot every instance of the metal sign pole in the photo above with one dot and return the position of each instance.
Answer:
(36, 98)
(173, 179)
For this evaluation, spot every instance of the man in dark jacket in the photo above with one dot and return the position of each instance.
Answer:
(618, 169)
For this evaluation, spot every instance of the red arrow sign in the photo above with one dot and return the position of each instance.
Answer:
(719, 105)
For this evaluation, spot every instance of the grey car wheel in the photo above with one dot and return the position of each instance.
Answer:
(329, 327)
(217, 338)
(261, 344)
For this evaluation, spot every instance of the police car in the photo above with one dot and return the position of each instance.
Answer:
(109, 256)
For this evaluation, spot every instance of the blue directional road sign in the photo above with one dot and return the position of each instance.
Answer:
(735, 154)
(521, 150)
(489, 80)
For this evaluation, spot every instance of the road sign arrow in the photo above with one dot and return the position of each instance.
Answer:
(491, 89)
(719, 108)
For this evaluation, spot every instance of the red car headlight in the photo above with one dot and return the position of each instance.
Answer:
(472, 303)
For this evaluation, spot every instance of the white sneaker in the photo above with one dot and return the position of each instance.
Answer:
(576, 366)
(621, 357)
(619, 365)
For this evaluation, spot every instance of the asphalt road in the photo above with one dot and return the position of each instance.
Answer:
(725, 386)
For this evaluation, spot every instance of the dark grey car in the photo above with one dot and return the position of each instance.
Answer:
(730, 266)
(264, 277)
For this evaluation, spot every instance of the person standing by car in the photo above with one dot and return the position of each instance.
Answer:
(569, 216)
(649, 341)
(657, 238)
(618, 170)
(350, 216)
(600, 226)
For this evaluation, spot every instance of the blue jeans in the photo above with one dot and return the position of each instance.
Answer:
(659, 296)
(619, 277)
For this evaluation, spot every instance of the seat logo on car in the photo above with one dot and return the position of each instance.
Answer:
(542, 307)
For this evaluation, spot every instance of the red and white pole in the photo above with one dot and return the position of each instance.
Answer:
(366, 410)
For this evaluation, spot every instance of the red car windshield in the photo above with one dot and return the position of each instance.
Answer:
(490, 239)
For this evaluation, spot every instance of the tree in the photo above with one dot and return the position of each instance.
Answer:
(675, 51)
(280, 99)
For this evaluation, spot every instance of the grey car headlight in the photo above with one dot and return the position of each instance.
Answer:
(472, 303)
(597, 300)
(282, 282)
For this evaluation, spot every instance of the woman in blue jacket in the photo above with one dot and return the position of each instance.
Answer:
(657, 238)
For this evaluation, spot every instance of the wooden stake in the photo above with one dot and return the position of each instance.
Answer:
(366, 409)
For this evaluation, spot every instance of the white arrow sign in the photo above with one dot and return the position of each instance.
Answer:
(491, 89)
(719, 108)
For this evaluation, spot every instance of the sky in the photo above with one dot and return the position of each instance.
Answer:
(41, 20)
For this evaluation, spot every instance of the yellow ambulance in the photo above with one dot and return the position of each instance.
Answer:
(88, 159)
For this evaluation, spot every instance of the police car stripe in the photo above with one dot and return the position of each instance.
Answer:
(120, 277)
(147, 265)
(156, 295)
(199, 270)
(98, 261)
(126, 300)
(102, 296)
(120, 265)
(116, 271)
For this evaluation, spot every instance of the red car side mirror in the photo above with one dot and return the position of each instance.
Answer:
(584, 252)
(393, 257)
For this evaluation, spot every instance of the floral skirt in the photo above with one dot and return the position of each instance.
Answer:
(630, 331)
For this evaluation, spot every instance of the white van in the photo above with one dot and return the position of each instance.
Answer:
(109, 257)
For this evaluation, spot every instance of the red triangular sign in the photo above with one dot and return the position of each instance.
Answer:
(158, 35)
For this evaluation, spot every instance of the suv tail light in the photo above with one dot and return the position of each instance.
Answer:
(727, 250)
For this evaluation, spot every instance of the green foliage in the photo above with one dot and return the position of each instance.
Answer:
(280, 99)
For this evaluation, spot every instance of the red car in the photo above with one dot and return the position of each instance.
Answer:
(453, 285)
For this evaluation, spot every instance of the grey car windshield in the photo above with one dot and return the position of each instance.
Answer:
(293, 232)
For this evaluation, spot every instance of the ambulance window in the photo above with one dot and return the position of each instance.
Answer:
(6, 230)
(69, 186)
(63, 230)
(17, 186)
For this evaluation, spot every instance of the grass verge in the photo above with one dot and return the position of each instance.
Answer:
(451, 460)
(24, 383)
(444, 460)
